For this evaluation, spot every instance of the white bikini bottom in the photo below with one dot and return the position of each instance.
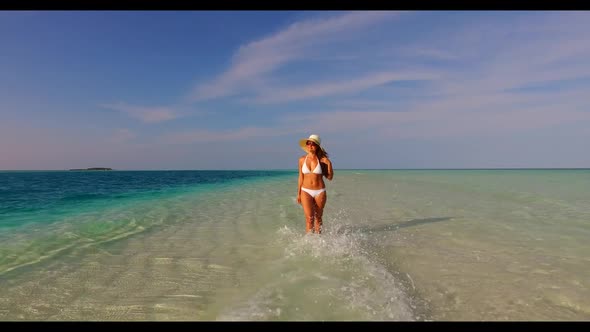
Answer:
(313, 192)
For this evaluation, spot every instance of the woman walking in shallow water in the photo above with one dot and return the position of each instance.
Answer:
(311, 189)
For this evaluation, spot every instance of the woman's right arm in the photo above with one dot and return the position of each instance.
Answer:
(299, 182)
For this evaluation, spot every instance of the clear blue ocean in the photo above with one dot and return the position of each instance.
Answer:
(230, 245)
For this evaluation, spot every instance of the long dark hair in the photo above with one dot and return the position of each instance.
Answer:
(321, 153)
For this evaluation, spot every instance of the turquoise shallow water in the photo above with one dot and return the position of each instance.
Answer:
(206, 245)
(42, 213)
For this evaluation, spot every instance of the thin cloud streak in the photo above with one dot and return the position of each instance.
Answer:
(143, 113)
(207, 136)
(342, 86)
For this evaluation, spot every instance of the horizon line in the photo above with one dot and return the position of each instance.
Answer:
(294, 169)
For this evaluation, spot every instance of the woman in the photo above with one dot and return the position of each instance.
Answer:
(312, 168)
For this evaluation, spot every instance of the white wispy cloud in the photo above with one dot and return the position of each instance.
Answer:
(145, 113)
(314, 90)
(533, 50)
(263, 56)
(361, 104)
(205, 136)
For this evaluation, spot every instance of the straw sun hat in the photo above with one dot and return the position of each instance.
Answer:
(314, 138)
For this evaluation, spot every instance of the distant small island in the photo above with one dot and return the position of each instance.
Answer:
(92, 169)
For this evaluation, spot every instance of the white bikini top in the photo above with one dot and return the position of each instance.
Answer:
(305, 169)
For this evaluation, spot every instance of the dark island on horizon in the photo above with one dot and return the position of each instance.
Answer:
(92, 169)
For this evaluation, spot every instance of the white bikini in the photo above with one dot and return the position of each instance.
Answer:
(316, 170)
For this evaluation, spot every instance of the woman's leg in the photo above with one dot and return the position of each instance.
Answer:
(308, 204)
(320, 203)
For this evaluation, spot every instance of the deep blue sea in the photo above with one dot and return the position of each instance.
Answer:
(47, 196)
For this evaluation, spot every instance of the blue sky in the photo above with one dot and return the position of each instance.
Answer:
(238, 89)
